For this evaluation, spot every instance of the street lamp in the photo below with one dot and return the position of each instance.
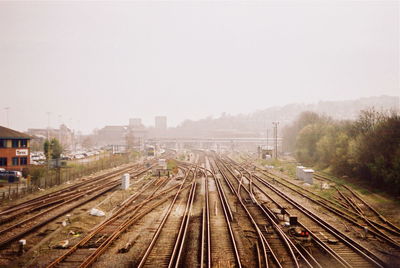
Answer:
(7, 118)
(276, 137)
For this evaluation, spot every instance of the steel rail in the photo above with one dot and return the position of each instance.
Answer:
(111, 184)
(228, 220)
(63, 198)
(288, 243)
(261, 236)
(368, 255)
(130, 221)
(319, 242)
(45, 197)
(392, 225)
(180, 240)
(164, 219)
(40, 224)
(340, 213)
(343, 210)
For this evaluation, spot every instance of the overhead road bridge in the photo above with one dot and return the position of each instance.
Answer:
(214, 143)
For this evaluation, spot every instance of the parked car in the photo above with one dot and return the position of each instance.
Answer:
(11, 176)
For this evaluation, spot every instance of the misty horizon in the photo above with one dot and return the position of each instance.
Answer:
(393, 104)
(93, 64)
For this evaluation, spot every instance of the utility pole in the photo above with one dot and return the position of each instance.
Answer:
(73, 134)
(48, 125)
(78, 134)
(276, 138)
(7, 117)
(48, 148)
(59, 129)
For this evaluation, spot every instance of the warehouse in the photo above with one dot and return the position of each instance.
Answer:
(14, 149)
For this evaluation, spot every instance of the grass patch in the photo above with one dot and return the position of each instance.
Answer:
(364, 192)
(288, 168)
(328, 193)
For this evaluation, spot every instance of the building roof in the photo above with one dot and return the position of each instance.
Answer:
(7, 133)
(112, 129)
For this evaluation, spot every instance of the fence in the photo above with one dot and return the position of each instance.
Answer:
(41, 177)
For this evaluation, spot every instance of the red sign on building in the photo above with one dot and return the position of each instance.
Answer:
(14, 149)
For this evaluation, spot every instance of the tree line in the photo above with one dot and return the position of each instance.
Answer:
(367, 148)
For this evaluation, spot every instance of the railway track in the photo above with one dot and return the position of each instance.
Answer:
(93, 245)
(51, 197)
(219, 213)
(205, 254)
(281, 249)
(372, 258)
(228, 216)
(362, 208)
(181, 239)
(64, 195)
(161, 247)
(349, 250)
(51, 212)
(384, 233)
(272, 249)
(194, 245)
(221, 247)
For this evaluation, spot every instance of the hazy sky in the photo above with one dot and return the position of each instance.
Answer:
(97, 63)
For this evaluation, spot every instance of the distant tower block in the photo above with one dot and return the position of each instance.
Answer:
(160, 122)
(135, 122)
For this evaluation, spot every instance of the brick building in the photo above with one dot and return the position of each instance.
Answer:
(64, 135)
(14, 149)
(119, 135)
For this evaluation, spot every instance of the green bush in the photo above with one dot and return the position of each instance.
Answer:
(367, 148)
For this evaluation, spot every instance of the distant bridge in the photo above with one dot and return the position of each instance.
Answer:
(215, 143)
(216, 140)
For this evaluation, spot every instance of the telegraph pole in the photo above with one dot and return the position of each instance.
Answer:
(59, 129)
(7, 117)
(48, 148)
(276, 138)
(48, 125)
